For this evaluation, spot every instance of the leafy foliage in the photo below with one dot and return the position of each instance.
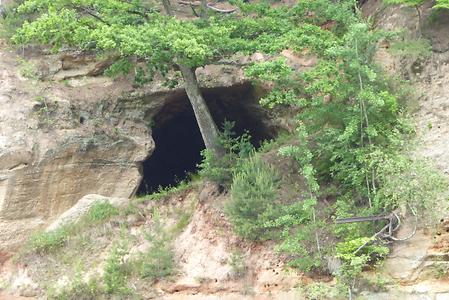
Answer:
(158, 261)
(439, 4)
(253, 192)
(77, 289)
(319, 290)
(406, 2)
(115, 271)
(161, 41)
(299, 230)
(45, 242)
(351, 132)
(221, 169)
(413, 183)
(346, 250)
(356, 258)
(238, 264)
(412, 48)
(349, 111)
(165, 192)
(442, 4)
(101, 211)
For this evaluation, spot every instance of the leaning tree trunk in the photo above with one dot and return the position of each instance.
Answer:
(204, 119)
(206, 123)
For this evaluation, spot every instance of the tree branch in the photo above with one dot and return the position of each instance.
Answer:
(208, 5)
(92, 14)
(229, 63)
(225, 11)
(194, 11)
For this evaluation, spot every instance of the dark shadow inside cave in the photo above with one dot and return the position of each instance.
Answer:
(178, 138)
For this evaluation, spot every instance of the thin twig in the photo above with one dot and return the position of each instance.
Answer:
(372, 238)
(92, 14)
(317, 238)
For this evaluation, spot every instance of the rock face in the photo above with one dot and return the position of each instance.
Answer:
(420, 265)
(429, 75)
(53, 150)
(85, 134)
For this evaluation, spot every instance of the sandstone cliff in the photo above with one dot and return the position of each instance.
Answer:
(68, 131)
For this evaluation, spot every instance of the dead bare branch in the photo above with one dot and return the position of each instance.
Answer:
(414, 229)
(209, 5)
(225, 11)
(381, 234)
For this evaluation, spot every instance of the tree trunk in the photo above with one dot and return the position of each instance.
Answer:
(167, 7)
(206, 123)
(204, 119)
(203, 11)
(418, 11)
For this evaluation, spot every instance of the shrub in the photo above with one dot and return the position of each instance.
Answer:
(159, 261)
(10, 21)
(319, 290)
(45, 242)
(413, 183)
(216, 169)
(221, 169)
(412, 48)
(237, 263)
(356, 254)
(253, 194)
(100, 212)
(28, 69)
(165, 192)
(115, 272)
(442, 4)
(77, 290)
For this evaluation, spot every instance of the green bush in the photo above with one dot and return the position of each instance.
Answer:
(28, 70)
(221, 169)
(115, 272)
(238, 264)
(356, 254)
(77, 290)
(442, 4)
(100, 212)
(253, 195)
(10, 21)
(415, 184)
(319, 290)
(165, 192)
(216, 169)
(158, 261)
(46, 242)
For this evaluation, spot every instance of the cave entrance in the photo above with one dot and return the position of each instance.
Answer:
(178, 139)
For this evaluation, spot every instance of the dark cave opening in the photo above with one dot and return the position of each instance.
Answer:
(178, 139)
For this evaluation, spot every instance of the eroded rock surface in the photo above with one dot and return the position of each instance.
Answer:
(87, 134)
(51, 155)
(419, 265)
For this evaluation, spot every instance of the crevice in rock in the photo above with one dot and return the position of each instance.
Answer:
(178, 139)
